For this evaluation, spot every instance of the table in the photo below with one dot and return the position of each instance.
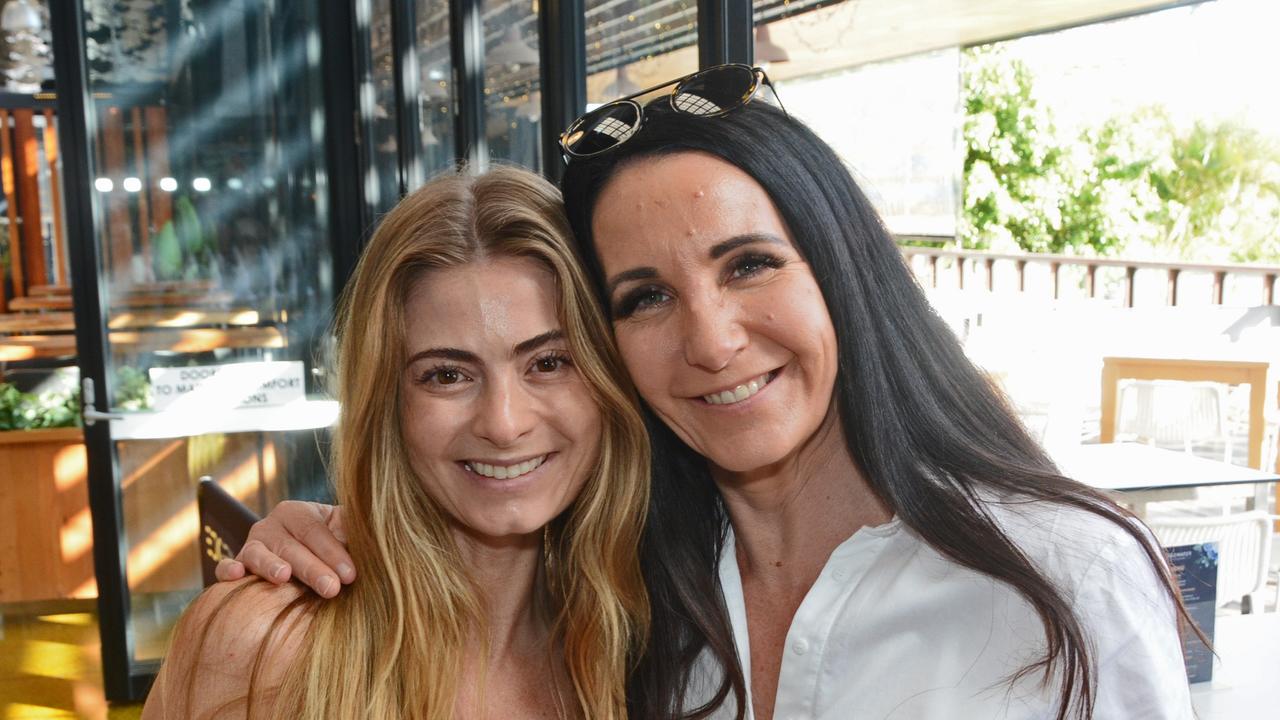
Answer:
(1146, 474)
(1244, 676)
(1231, 371)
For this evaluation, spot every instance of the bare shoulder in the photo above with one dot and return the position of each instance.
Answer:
(234, 637)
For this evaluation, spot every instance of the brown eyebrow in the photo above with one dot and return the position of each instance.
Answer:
(721, 249)
(640, 273)
(717, 251)
(457, 355)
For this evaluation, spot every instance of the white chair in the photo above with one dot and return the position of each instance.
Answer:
(1171, 412)
(1244, 551)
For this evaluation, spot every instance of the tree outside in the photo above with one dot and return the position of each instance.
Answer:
(1137, 184)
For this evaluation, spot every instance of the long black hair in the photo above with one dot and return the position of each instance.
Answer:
(927, 429)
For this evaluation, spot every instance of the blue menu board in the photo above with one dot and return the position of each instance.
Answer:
(1196, 567)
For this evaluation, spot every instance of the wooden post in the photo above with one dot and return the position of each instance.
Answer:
(140, 167)
(991, 274)
(158, 164)
(960, 272)
(1129, 273)
(55, 192)
(1022, 276)
(1053, 272)
(933, 271)
(120, 246)
(1091, 280)
(1269, 289)
(10, 192)
(1171, 297)
(1219, 280)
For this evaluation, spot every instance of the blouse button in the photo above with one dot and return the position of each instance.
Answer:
(800, 647)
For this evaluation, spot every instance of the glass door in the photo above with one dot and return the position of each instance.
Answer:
(211, 267)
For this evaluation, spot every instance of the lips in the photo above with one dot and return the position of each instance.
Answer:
(739, 393)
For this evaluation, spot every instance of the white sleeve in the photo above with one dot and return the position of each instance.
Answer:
(1133, 625)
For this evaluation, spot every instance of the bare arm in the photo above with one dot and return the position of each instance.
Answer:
(215, 650)
(299, 540)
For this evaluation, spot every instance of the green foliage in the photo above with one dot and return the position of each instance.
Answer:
(1136, 183)
(185, 248)
(1023, 186)
(61, 407)
(28, 411)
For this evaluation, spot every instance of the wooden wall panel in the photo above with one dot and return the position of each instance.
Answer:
(45, 535)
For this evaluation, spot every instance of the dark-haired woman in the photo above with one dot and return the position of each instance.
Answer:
(846, 521)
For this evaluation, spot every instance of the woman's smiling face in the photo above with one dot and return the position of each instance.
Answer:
(499, 426)
(717, 315)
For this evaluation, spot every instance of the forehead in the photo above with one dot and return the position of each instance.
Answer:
(679, 202)
(487, 300)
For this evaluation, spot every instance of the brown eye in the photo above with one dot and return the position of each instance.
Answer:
(550, 363)
(448, 377)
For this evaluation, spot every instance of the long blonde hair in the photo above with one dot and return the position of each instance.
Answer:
(391, 645)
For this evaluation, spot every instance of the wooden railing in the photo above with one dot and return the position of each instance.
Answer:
(970, 265)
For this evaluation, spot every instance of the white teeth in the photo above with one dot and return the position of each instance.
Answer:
(739, 393)
(505, 472)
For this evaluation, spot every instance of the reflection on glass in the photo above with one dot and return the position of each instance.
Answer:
(633, 45)
(377, 98)
(513, 103)
(208, 156)
(435, 78)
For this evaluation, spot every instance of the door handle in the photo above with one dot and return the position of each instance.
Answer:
(91, 414)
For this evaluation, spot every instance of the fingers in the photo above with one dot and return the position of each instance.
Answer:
(260, 561)
(309, 569)
(228, 569)
(327, 540)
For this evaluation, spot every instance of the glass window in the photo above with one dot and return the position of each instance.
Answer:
(377, 99)
(435, 86)
(513, 103)
(208, 155)
(633, 45)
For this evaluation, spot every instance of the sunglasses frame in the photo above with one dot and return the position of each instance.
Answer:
(758, 77)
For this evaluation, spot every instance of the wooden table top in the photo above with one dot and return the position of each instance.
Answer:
(193, 340)
(63, 321)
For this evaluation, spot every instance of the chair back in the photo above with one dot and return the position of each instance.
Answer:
(1244, 547)
(224, 526)
(1169, 411)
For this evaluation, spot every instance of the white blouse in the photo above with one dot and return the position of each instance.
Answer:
(891, 629)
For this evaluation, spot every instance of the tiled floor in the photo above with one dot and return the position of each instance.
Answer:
(50, 667)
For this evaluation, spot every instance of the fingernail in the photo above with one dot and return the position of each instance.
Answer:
(345, 571)
(325, 585)
(277, 571)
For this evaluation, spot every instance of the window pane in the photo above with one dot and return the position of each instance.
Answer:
(513, 103)
(435, 85)
(633, 45)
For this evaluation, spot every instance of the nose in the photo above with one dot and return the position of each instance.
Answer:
(713, 333)
(507, 412)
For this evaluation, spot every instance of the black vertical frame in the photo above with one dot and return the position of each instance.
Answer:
(466, 42)
(563, 48)
(76, 121)
(404, 69)
(725, 32)
(347, 217)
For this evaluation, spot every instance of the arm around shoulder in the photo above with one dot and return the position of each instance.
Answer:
(236, 637)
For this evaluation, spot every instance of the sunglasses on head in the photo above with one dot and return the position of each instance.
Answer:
(706, 93)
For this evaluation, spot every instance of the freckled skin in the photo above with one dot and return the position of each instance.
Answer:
(714, 331)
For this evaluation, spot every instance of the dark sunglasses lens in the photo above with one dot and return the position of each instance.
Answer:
(715, 91)
(602, 128)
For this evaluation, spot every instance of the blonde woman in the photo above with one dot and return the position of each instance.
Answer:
(494, 475)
